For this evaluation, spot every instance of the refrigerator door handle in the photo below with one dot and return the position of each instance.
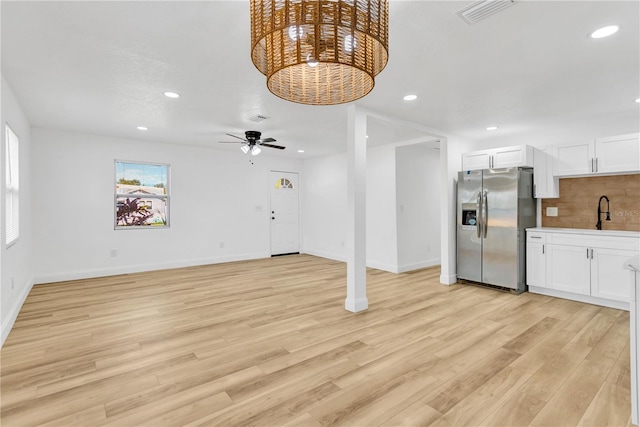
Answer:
(485, 213)
(479, 215)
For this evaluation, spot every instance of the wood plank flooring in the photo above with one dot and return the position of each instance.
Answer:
(268, 343)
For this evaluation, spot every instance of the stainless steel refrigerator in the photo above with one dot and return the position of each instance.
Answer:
(495, 206)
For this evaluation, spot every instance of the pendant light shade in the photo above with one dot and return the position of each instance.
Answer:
(320, 52)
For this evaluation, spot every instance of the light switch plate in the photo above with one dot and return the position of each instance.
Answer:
(552, 211)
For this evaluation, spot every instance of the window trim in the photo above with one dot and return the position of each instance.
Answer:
(14, 189)
(166, 197)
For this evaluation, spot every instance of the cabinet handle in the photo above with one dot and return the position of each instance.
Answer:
(542, 249)
(591, 253)
(535, 237)
(587, 253)
(592, 165)
(596, 165)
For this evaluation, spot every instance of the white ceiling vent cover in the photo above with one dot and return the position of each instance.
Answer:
(258, 118)
(479, 10)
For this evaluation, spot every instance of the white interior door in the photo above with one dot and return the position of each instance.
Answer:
(284, 213)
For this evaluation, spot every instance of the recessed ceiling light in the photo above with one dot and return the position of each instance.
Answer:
(142, 128)
(604, 32)
(367, 136)
(300, 151)
(410, 97)
(170, 94)
(638, 100)
(492, 127)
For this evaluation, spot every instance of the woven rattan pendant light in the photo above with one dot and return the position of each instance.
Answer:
(320, 52)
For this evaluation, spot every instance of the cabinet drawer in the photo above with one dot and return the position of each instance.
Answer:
(536, 237)
(593, 241)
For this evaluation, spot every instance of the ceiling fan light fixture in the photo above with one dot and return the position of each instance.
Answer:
(255, 150)
(244, 148)
(321, 52)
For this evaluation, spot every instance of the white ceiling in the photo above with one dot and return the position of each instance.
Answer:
(101, 67)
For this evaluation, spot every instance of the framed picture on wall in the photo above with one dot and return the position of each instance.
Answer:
(141, 195)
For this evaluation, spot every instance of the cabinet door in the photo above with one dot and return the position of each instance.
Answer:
(608, 277)
(476, 160)
(545, 185)
(509, 157)
(536, 267)
(568, 269)
(618, 154)
(575, 158)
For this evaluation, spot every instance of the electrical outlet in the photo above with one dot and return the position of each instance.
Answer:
(114, 253)
(552, 211)
(221, 245)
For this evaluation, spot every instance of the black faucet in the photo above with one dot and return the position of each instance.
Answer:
(608, 218)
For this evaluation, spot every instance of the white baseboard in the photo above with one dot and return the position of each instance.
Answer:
(326, 255)
(448, 279)
(419, 265)
(391, 268)
(581, 298)
(112, 271)
(7, 322)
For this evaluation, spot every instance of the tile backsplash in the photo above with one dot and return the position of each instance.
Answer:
(578, 203)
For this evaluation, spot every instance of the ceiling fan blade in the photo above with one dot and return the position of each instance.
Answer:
(237, 137)
(268, 140)
(279, 147)
(232, 142)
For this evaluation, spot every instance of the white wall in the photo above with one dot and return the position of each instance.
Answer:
(382, 240)
(324, 207)
(16, 261)
(418, 206)
(216, 196)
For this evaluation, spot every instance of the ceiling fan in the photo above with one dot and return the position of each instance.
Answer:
(252, 142)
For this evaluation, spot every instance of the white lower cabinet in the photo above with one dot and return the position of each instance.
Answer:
(608, 280)
(536, 265)
(584, 265)
(568, 269)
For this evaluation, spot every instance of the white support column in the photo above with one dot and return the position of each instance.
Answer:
(356, 207)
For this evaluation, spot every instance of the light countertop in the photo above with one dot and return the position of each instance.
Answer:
(584, 232)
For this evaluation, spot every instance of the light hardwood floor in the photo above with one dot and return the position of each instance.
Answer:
(268, 343)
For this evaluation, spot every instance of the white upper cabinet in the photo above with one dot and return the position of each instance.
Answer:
(476, 160)
(505, 157)
(574, 158)
(545, 184)
(616, 154)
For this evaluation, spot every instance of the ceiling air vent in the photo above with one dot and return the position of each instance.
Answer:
(479, 10)
(258, 118)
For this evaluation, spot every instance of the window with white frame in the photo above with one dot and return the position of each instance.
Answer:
(12, 186)
(141, 195)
